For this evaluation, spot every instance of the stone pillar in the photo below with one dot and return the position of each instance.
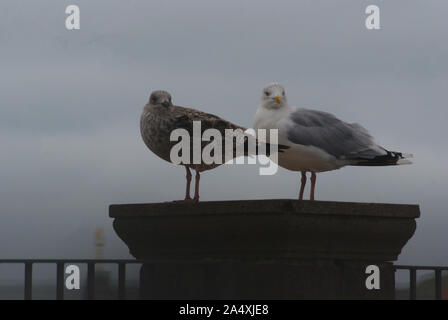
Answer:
(264, 249)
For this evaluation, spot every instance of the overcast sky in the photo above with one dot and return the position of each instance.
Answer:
(70, 103)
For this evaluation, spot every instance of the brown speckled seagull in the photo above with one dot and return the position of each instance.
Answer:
(160, 117)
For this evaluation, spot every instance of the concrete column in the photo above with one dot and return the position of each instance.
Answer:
(264, 249)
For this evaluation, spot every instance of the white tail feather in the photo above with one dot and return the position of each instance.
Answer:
(407, 155)
(403, 161)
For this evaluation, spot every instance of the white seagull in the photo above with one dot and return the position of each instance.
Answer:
(318, 141)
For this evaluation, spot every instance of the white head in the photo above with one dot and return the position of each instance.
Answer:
(273, 96)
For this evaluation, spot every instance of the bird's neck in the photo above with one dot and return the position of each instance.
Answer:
(268, 118)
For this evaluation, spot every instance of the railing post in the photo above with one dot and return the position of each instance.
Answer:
(413, 284)
(28, 280)
(60, 281)
(90, 280)
(438, 285)
(121, 280)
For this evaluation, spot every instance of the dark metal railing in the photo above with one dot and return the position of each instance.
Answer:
(60, 274)
(122, 263)
(413, 279)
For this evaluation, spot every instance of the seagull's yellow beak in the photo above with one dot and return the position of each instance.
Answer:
(277, 99)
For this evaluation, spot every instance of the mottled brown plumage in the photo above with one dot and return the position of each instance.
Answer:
(160, 117)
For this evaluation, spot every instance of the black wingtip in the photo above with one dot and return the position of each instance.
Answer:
(391, 158)
(282, 148)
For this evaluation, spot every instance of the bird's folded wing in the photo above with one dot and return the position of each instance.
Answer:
(240, 141)
(184, 117)
(326, 132)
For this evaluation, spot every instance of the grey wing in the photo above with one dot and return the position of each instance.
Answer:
(338, 138)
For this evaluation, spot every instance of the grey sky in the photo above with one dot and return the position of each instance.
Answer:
(70, 104)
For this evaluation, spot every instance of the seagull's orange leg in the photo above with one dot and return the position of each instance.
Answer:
(187, 191)
(196, 186)
(302, 185)
(313, 185)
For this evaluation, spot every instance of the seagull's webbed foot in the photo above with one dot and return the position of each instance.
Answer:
(189, 200)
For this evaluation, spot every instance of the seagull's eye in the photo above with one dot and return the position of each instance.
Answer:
(266, 93)
(283, 93)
